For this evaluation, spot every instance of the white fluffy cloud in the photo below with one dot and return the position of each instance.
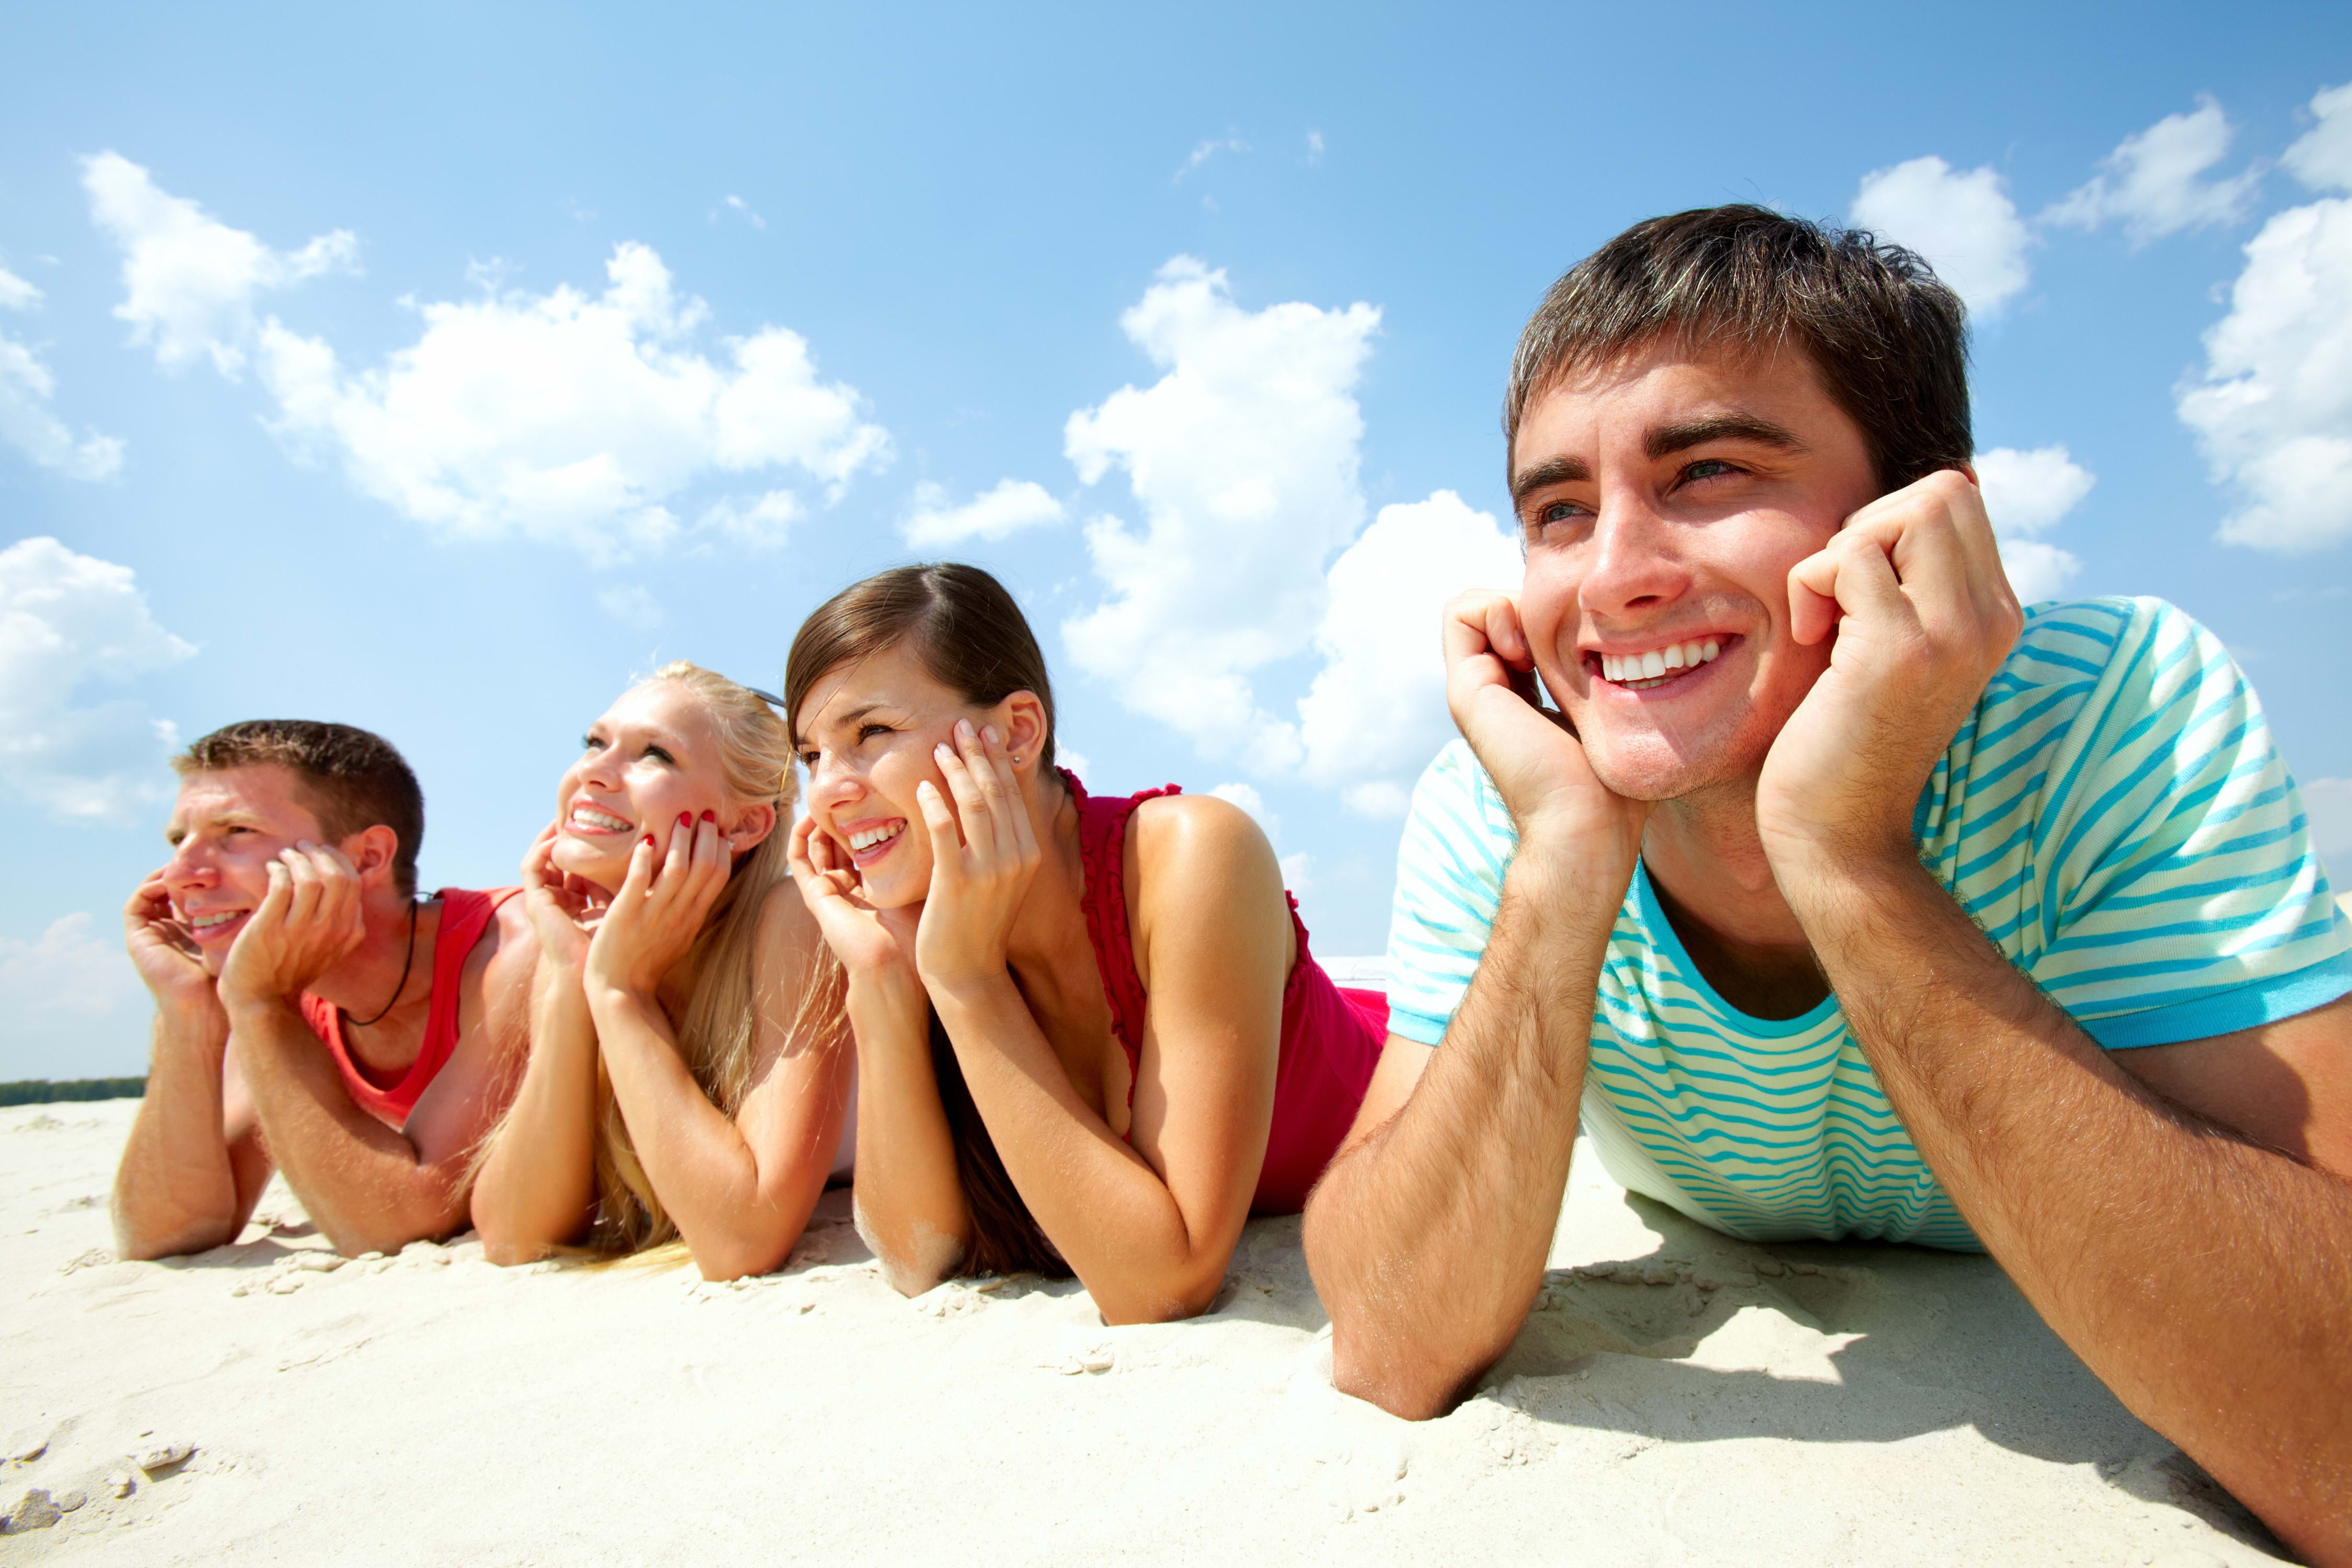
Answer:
(25, 387)
(2154, 183)
(1377, 711)
(1962, 222)
(1244, 459)
(569, 418)
(69, 968)
(2273, 409)
(2026, 494)
(1012, 506)
(67, 620)
(188, 279)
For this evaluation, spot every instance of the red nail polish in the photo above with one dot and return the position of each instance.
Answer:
(649, 838)
(709, 816)
(686, 819)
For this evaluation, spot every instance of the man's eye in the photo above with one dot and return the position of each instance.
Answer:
(1557, 512)
(1707, 468)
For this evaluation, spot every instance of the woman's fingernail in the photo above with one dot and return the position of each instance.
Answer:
(963, 727)
(686, 819)
(649, 838)
(989, 735)
(709, 816)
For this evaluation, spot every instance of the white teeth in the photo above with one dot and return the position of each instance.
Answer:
(1627, 667)
(589, 817)
(206, 922)
(874, 835)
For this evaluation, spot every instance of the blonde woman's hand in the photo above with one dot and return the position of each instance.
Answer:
(872, 944)
(985, 854)
(659, 911)
(562, 907)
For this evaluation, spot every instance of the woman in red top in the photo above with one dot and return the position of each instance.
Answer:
(1090, 1037)
(689, 1078)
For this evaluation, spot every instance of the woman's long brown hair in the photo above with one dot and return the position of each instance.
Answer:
(973, 639)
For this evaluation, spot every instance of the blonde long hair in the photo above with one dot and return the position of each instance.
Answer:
(720, 1031)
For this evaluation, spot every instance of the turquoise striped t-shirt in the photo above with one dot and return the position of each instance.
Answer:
(2113, 814)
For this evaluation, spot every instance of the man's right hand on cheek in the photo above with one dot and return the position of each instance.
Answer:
(163, 952)
(1534, 759)
(308, 922)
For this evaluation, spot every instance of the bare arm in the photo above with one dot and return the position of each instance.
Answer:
(909, 1197)
(537, 1184)
(1427, 1235)
(739, 1189)
(2206, 1279)
(193, 1165)
(367, 1187)
(1149, 1229)
(536, 1187)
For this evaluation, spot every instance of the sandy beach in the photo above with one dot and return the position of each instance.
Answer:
(1678, 1397)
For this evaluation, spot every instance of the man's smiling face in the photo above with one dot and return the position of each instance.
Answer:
(226, 827)
(1664, 498)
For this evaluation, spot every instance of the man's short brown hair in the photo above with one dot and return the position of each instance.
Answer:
(353, 780)
(1888, 341)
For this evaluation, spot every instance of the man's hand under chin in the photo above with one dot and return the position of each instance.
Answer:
(1534, 759)
(1912, 588)
(308, 922)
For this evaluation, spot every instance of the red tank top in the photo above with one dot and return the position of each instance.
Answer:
(465, 916)
(1331, 1038)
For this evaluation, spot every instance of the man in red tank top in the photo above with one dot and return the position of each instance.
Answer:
(312, 1014)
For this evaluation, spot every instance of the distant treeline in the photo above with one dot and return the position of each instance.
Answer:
(41, 1091)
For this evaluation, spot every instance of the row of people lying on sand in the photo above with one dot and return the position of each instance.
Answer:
(1837, 895)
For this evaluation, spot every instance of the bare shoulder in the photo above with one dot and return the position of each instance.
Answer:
(1196, 863)
(1178, 837)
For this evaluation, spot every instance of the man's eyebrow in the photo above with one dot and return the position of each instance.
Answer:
(1667, 439)
(1550, 471)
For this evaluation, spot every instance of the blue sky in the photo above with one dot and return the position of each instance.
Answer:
(437, 370)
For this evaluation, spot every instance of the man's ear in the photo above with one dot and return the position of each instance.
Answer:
(1021, 719)
(372, 852)
(752, 827)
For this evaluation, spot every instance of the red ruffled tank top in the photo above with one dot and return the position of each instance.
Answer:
(465, 916)
(1331, 1037)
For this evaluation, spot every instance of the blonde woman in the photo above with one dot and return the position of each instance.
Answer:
(688, 1077)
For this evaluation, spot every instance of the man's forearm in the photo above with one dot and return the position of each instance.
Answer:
(2207, 1281)
(176, 1191)
(1427, 1241)
(358, 1181)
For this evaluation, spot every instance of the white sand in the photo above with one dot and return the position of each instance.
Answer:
(1872, 1405)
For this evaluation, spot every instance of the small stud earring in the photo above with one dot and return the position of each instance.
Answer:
(1016, 759)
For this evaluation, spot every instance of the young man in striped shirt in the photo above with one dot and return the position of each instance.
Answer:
(1843, 897)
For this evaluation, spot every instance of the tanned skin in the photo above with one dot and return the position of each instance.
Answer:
(2180, 1214)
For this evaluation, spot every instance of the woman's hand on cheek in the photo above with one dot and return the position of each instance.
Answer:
(984, 853)
(869, 942)
(659, 909)
(560, 905)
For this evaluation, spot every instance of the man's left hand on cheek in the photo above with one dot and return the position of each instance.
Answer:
(308, 922)
(1913, 590)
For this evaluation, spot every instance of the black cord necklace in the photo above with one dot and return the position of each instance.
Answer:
(407, 959)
